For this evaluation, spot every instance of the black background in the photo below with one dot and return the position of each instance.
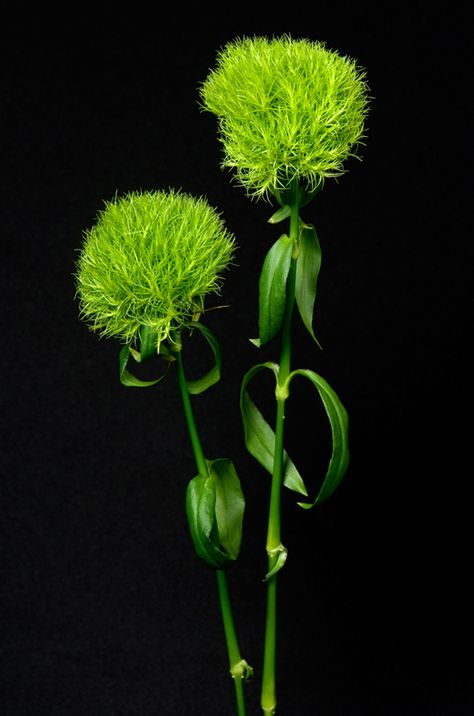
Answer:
(105, 610)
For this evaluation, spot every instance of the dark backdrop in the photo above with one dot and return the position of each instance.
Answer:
(105, 610)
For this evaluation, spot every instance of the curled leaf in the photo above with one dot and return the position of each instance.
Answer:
(339, 423)
(260, 438)
(128, 379)
(215, 508)
(200, 510)
(213, 375)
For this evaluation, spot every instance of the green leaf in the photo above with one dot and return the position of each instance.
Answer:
(148, 342)
(272, 288)
(307, 272)
(200, 511)
(126, 378)
(281, 554)
(212, 376)
(260, 438)
(339, 422)
(280, 215)
(215, 508)
(230, 506)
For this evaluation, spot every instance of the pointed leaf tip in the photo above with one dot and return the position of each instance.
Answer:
(307, 271)
(280, 215)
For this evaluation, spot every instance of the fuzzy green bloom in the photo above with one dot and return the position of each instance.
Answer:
(149, 260)
(288, 110)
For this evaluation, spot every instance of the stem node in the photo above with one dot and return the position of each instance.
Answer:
(242, 670)
(281, 391)
(277, 557)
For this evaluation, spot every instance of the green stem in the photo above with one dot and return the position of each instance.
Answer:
(201, 463)
(268, 695)
(233, 651)
(237, 668)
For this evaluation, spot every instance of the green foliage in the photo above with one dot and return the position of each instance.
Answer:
(339, 422)
(215, 509)
(149, 261)
(307, 271)
(272, 288)
(288, 110)
(214, 374)
(128, 379)
(260, 438)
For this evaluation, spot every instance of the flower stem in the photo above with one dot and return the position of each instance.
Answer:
(201, 463)
(235, 660)
(268, 694)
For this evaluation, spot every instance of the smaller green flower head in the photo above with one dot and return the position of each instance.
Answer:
(288, 110)
(150, 260)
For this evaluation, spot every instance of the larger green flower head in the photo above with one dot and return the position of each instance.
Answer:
(288, 110)
(149, 261)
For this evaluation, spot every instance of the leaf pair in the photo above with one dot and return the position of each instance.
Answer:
(274, 276)
(148, 347)
(260, 438)
(215, 508)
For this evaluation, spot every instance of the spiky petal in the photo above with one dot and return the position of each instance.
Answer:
(150, 259)
(288, 109)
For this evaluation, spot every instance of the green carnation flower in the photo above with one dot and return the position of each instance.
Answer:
(149, 261)
(288, 110)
